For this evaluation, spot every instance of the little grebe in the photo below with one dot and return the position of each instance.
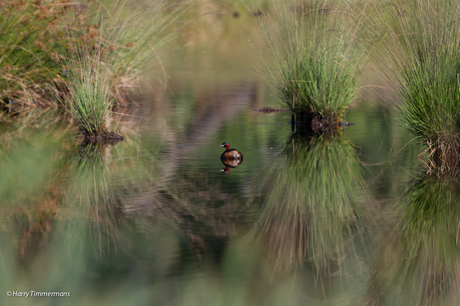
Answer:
(230, 157)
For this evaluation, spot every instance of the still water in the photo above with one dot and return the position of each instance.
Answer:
(349, 219)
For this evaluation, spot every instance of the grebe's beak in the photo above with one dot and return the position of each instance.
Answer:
(221, 145)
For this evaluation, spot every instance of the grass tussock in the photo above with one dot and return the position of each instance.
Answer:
(107, 48)
(34, 32)
(89, 97)
(316, 62)
(130, 34)
(86, 55)
(417, 47)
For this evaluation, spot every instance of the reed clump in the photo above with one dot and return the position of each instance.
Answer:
(316, 63)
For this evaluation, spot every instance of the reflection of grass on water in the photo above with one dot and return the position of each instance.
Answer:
(313, 210)
(90, 203)
(107, 194)
(420, 262)
(29, 160)
(30, 164)
(313, 47)
(67, 233)
(25, 168)
(138, 225)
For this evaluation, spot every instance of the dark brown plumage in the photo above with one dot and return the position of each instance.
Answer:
(230, 157)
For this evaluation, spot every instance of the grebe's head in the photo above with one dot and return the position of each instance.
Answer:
(226, 145)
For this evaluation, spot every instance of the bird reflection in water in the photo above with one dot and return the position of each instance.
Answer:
(230, 158)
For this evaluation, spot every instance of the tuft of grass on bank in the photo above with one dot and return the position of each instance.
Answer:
(316, 64)
(430, 87)
(89, 88)
(29, 35)
(33, 33)
(419, 46)
(108, 47)
(133, 33)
